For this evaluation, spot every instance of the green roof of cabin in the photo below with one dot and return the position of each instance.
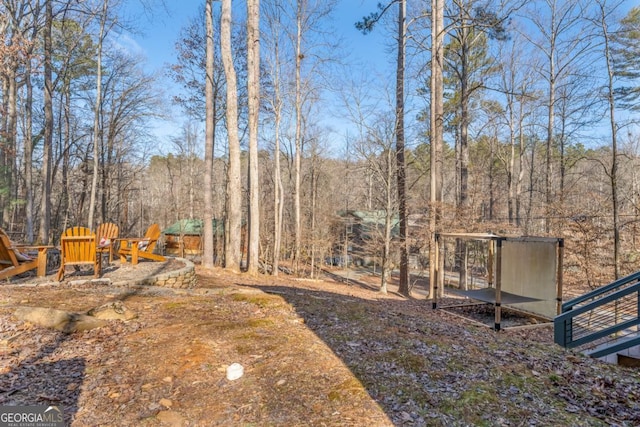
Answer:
(192, 227)
(368, 217)
(372, 220)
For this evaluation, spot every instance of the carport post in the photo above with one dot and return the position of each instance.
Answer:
(559, 277)
(498, 282)
(490, 264)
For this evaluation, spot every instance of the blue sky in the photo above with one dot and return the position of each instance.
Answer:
(159, 33)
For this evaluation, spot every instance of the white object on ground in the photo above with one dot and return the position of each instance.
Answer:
(234, 371)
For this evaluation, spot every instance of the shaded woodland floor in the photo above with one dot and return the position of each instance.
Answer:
(319, 352)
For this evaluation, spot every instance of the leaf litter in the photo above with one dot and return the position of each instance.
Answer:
(313, 353)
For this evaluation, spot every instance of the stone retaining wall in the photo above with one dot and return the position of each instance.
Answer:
(184, 278)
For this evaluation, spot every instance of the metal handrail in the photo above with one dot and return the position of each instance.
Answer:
(595, 301)
(601, 290)
(616, 347)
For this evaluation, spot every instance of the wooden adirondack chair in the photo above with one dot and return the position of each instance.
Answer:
(106, 235)
(142, 247)
(13, 261)
(78, 247)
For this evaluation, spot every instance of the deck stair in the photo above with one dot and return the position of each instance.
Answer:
(604, 323)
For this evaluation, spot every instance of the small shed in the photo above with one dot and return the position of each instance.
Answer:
(185, 236)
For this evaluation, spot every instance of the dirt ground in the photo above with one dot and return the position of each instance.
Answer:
(316, 353)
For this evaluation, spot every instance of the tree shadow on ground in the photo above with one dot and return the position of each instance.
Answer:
(416, 362)
(390, 346)
(418, 283)
(57, 383)
(349, 281)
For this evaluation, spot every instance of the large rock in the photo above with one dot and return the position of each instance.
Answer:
(58, 319)
(69, 322)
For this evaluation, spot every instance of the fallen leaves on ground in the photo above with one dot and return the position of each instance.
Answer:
(313, 353)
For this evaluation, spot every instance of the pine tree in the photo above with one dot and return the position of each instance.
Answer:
(626, 60)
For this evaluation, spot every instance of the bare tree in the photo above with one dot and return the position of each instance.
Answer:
(517, 85)
(376, 149)
(253, 90)
(20, 25)
(562, 43)
(234, 190)
(298, 137)
(367, 25)
(308, 14)
(48, 128)
(401, 170)
(105, 26)
(274, 65)
(437, 130)
(207, 257)
(605, 12)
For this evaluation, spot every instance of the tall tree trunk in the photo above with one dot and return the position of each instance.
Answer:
(613, 175)
(512, 163)
(388, 217)
(207, 257)
(28, 159)
(400, 147)
(521, 158)
(4, 139)
(45, 204)
(437, 129)
(233, 249)
(10, 144)
(463, 152)
(530, 190)
(492, 182)
(278, 191)
(298, 137)
(97, 134)
(253, 90)
(550, 126)
(465, 96)
(314, 197)
(66, 156)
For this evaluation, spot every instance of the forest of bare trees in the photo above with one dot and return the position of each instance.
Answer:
(519, 119)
